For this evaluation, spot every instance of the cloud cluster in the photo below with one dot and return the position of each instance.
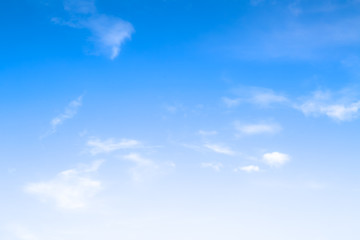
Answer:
(70, 189)
(108, 33)
(322, 103)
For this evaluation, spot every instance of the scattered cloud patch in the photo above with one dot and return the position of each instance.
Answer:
(231, 102)
(70, 189)
(143, 167)
(260, 128)
(276, 159)
(215, 166)
(98, 146)
(219, 149)
(249, 169)
(108, 33)
(266, 97)
(322, 103)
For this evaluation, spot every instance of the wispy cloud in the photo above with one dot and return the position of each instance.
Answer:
(265, 97)
(231, 102)
(258, 128)
(323, 103)
(143, 167)
(70, 111)
(70, 189)
(249, 169)
(207, 133)
(219, 149)
(262, 97)
(275, 159)
(215, 166)
(108, 32)
(98, 146)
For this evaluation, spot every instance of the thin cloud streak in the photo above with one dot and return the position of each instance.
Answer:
(70, 111)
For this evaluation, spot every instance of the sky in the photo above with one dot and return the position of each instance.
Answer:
(169, 119)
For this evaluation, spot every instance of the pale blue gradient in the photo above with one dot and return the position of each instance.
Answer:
(180, 101)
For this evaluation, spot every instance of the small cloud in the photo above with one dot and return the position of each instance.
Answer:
(143, 167)
(260, 128)
(108, 33)
(249, 169)
(259, 96)
(207, 133)
(219, 149)
(70, 189)
(276, 159)
(70, 111)
(98, 146)
(322, 103)
(266, 97)
(231, 102)
(214, 166)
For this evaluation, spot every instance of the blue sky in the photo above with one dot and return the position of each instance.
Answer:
(170, 119)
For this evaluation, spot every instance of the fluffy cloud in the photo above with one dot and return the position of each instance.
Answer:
(70, 189)
(249, 169)
(219, 149)
(215, 166)
(98, 146)
(276, 159)
(260, 128)
(108, 33)
(323, 103)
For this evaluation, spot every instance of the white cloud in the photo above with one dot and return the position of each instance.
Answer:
(322, 103)
(231, 102)
(110, 145)
(265, 97)
(249, 169)
(252, 129)
(220, 149)
(108, 33)
(215, 166)
(70, 111)
(143, 167)
(70, 189)
(259, 96)
(276, 159)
